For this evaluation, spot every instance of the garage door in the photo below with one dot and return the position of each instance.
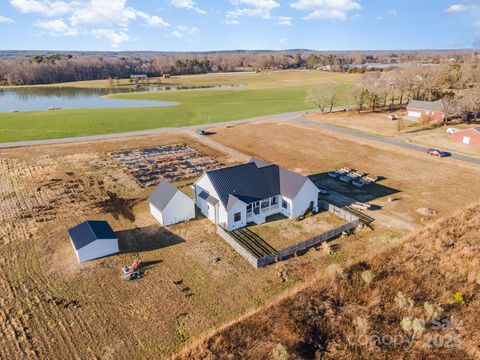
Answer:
(415, 114)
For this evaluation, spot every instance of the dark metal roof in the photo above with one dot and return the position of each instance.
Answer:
(163, 194)
(426, 105)
(90, 231)
(250, 182)
(208, 198)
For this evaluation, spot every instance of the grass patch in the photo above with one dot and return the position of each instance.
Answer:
(195, 107)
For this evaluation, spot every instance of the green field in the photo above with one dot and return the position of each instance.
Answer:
(263, 94)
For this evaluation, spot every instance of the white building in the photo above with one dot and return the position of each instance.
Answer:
(93, 240)
(234, 196)
(170, 206)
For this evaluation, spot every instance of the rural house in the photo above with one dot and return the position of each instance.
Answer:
(170, 206)
(468, 136)
(417, 110)
(93, 240)
(234, 196)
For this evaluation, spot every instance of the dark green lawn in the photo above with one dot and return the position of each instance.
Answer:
(195, 107)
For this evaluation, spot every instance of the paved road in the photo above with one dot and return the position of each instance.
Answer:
(296, 117)
(381, 139)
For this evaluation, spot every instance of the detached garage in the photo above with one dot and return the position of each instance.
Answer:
(170, 206)
(93, 240)
(468, 137)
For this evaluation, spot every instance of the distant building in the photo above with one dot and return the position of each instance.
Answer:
(167, 76)
(139, 77)
(417, 110)
(468, 137)
(234, 196)
(93, 240)
(171, 206)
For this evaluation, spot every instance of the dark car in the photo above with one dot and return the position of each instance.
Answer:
(436, 152)
(201, 132)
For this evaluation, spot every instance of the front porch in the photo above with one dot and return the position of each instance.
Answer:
(258, 211)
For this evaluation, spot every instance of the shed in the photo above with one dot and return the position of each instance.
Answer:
(93, 240)
(167, 76)
(468, 136)
(170, 206)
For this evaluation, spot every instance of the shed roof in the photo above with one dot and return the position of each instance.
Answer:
(163, 194)
(254, 181)
(427, 105)
(90, 231)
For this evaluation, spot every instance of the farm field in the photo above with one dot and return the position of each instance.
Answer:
(53, 307)
(263, 94)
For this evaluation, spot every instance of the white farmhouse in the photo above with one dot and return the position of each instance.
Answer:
(170, 206)
(234, 196)
(93, 240)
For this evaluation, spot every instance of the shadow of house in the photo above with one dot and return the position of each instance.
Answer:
(344, 194)
(146, 239)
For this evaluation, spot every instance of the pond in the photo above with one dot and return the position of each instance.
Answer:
(52, 98)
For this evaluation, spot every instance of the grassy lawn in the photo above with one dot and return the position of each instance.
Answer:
(264, 94)
(282, 232)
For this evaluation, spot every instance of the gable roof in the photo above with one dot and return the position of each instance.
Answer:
(163, 194)
(90, 231)
(427, 105)
(254, 181)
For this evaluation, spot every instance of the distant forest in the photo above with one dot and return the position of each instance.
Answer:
(31, 68)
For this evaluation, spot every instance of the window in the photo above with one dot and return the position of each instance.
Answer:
(265, 204)
(249, 208)
(237, 217)
(284, 204)
(274, 201)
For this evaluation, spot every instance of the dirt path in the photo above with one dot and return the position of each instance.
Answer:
(236, 155)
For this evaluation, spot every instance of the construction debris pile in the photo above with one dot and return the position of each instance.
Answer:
(175, 162)
(356, 178)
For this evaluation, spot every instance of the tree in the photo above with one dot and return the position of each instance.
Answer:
(318, 97)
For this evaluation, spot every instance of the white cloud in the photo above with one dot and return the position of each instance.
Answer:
(114, 37)
(326, 9)
(184, 32)
(283, 40)
(108, 19)
(285, 20)
(392, 12)
(6, 20)
(187, 4)
(456, 8)
(252, 8)
(56, 27)
(232, 22)
(44, 7)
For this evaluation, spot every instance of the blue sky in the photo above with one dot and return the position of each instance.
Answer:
(200, 25)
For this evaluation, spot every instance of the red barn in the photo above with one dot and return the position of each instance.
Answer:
(468, 136)
(417, 110)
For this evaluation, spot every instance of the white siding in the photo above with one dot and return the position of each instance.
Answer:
(238, 207)
(307, 194)
(97, 249)
(180, 208)
(414, 114)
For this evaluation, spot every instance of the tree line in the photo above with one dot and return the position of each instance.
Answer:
(458, 85)
(55, 68)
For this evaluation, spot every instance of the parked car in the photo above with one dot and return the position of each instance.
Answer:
(392, 117)
(201, 132)
(452, 130)
(436, 152)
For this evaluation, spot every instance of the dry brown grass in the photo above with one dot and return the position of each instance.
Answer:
(342, 315)
(53, 307)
